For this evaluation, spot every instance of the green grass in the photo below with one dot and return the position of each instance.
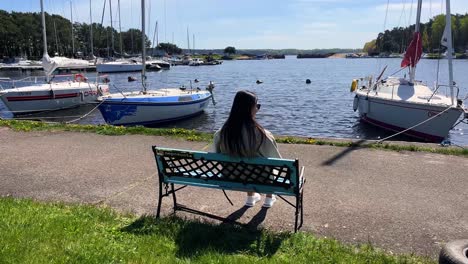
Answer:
(33, 232)
(193, 135)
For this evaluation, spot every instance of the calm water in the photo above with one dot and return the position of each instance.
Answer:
(289, 105)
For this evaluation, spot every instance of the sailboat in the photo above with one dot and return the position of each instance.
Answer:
(152, 106)
(120, 65)
(409, 106)
(53, 95)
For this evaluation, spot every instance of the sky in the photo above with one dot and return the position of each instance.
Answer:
(252, 24)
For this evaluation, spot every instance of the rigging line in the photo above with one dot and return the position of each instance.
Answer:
(411, 13)
(403, 131)
(383, 31)
(85, 115)
(402, 12)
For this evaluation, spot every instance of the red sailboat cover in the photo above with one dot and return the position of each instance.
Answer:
(414, 51)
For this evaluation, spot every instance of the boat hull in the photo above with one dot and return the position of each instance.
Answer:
(50, 97)
(110, 68)
(400, 115)
(134, 113)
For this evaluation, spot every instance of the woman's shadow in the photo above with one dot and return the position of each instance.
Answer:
(194, 238)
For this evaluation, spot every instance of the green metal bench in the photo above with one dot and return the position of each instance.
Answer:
(213, 170)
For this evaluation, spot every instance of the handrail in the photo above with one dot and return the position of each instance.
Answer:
(443, 85)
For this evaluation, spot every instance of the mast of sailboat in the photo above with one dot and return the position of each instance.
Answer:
(44, 37)
(72, 39)
(188, 41)
(120, 31)
(112, 27)
(143, 47)
(91, 30)
(448, 29)
(416, 29)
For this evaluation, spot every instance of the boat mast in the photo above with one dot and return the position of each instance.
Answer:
(73, 41)
(44, 37)
(143, 46)
(120, 31)
(416, 29)
(448, 27)
(112, 28)
(91, 29)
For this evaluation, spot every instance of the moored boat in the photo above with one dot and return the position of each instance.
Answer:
(147, 107)
(409, 106)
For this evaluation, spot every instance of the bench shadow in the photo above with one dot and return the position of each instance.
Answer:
(195, 238)
(343, 153)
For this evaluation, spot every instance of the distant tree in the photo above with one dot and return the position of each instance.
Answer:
(169, 48)
(464, 32)
(230, 50)
(370, 47)
(425, 40)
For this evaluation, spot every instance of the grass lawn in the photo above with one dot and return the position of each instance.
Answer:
(193, 135)
(33, 232)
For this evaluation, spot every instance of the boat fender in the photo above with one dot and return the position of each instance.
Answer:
(354, 85)
(80, 78)
(355, 103)
(99, 90)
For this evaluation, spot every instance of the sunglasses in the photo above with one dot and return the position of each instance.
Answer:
(258, 106)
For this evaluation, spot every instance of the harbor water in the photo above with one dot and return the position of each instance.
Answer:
(322, 108)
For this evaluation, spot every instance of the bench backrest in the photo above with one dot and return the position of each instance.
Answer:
(214, 170)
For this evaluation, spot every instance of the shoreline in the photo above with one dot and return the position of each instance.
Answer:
(198, 136)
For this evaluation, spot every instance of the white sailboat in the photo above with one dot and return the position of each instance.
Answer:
(152, 106)
(407, 105)
(120, 65)
(53, 95)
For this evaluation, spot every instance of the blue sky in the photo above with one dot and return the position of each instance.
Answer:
(274, 24)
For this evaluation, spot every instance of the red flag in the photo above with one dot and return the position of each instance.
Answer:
(414, 51)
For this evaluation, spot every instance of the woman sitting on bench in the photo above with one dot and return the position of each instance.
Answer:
(242, 136)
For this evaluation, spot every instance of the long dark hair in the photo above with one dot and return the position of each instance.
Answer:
(241, 135)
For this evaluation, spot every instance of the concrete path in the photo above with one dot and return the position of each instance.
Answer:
(401, 202)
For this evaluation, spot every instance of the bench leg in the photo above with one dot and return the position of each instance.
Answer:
(298, 201)
(299, 212)
(159, 200)
(174, 197)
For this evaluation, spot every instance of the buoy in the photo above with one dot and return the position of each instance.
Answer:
(354, 85)
(131, 79)
(259, 82)
(196, 80)
(308, 81)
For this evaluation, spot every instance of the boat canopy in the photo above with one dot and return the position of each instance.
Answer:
(50, 64)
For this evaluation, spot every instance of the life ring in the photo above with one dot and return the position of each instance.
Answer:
(80, 78)
(354, 85)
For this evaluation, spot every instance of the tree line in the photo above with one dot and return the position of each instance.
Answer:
(21, 35)
(397, 39)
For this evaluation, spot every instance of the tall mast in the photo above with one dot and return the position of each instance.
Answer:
(120, 31)
(44, 37)
(416, 29)
(112, 28)
(91, 29)
(448, 27)
(72, 39)
(188, 41)
(143, 46)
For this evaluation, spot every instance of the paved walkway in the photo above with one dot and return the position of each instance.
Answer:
(401, 202)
